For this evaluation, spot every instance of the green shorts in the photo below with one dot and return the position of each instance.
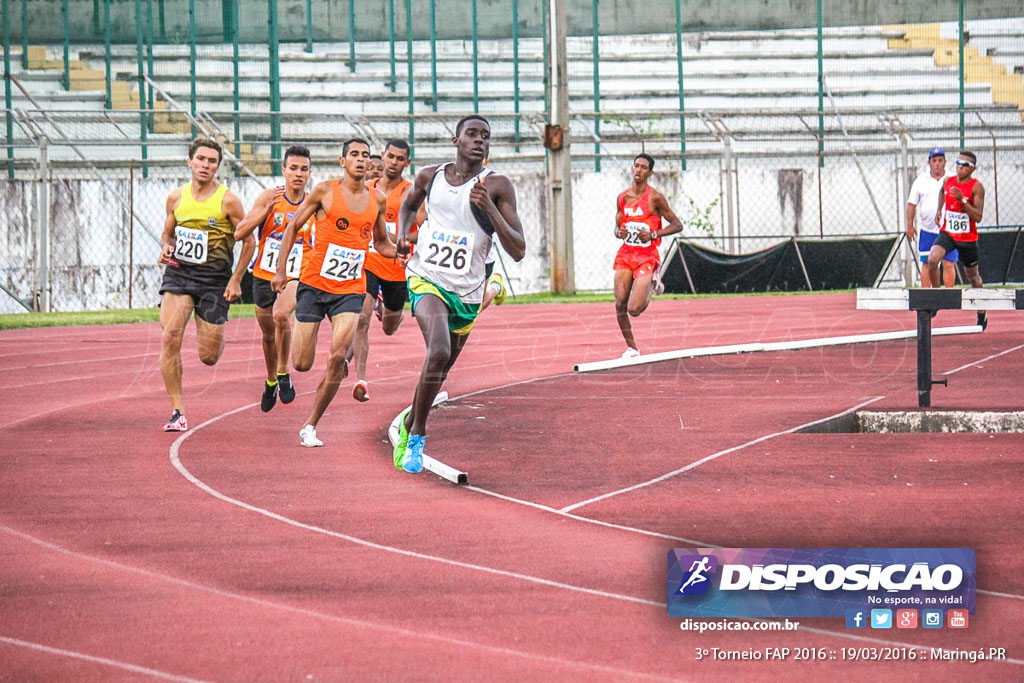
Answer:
(461, 315)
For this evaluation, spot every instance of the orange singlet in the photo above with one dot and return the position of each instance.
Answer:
(339, 240)
(268, 253)
(385, 268)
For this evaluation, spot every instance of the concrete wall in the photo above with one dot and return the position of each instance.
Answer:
(330, 17)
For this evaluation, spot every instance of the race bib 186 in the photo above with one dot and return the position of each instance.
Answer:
(342, 264)
(447, 250)
(958, 223)
(190, 245)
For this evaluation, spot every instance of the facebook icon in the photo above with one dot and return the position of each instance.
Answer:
(856, 618)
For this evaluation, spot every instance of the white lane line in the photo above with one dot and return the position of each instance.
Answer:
(124, 666)
(348, 621)
(713, 456)
(176, 462)
(986, 358)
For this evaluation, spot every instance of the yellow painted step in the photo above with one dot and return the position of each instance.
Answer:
(36, 57)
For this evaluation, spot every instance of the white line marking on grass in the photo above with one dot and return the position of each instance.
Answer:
(713, 456)
(986, 358)
(124, 666)
(347, 621)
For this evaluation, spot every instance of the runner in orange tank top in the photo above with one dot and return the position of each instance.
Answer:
(332, 283)
(963, 200)
(386, 290)
(638, 217)
(273, 210)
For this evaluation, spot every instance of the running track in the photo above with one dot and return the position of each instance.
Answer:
(232, 553)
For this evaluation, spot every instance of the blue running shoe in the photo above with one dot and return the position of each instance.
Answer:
(412, 462)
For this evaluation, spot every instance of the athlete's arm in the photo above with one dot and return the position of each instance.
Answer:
(413, 200)
(976, 206)
(170, 222)
(259, 212)
(620, 231)
(496, 197)
(233, 211)
(381, 240)
(306, 209)
(661, 208)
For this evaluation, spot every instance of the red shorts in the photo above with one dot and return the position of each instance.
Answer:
(643, 262)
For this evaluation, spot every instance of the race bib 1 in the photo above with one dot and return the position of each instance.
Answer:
(957, 223)
(342, 264)
(272, 256)
(633, 235)
(293, 266)
(190, 245)
(446, 250)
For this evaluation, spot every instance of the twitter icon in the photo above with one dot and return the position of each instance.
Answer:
(881, 618)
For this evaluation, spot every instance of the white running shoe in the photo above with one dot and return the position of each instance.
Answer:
(307, 437)
(630, 352)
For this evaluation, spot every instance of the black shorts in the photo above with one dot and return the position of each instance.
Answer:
(968, 250)
(263, 294)
(394, 292)
(312, 304)
(204, 284)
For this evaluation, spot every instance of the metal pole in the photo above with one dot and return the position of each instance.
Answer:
(351, 35)
(960, 37)
(275, 89)
(149, 58)
(476, 66)
(106, 51)
(235, 94)
(391, 43)
(24, 34)
(800, 258)
(995, 175)
(563, 279)
(597, 86)
(729, 211)
(433, 54)
(682, 102)
(821, 95)
(43, 271)
(309, 26)
(67, 43)
(8, 121)
(544, 42)
(412, 101)
(515, 66)
(908, 270)
(142, 88)
(163, 23)
(131, 230)
(192, 56)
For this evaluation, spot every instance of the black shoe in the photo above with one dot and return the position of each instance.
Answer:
(269, 397)
(982, 320)
(286, 388)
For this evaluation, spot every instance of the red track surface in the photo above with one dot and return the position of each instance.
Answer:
(278, 562)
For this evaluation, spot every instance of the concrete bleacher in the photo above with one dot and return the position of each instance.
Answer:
(745, 74)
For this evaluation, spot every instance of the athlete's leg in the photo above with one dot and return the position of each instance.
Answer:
(361, 340)
(640, 295)
(949, 273)
(974, 276)
(432, 316)
(623, 284)
(343, 327)
(210, 339)
(304, 345)
(283, 309)
(265, 318)
(175, 310)
(935, 257)
(390, 320)
(926, 274)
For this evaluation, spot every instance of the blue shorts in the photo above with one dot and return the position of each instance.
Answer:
(925, 240)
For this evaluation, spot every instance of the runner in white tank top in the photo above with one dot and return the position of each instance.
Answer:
(467, 206)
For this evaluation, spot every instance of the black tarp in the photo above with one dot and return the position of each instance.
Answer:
(832, 264)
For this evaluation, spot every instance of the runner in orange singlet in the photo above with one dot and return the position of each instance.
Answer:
(385, 277)
(273, 210)
(332, 282)
(963, 199)
(638, 218)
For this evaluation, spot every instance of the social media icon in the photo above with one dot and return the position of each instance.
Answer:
(881, 618)
(931, 618)
(856, 618)
(957, 618)
(906, 618)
